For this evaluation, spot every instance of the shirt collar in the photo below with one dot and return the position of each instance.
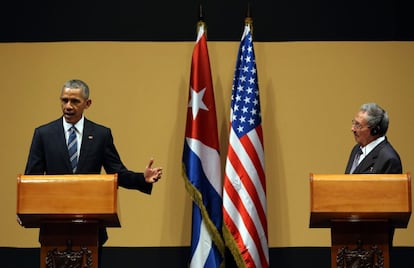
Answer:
(78, 125)
(369, 147)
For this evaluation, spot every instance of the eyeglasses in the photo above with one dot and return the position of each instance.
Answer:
(357, 125)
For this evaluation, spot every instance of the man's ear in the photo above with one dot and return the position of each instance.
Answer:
(88, 103)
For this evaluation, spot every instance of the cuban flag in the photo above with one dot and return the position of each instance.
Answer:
(201, 162)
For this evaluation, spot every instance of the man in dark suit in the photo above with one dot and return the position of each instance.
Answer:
(372, 153)
(94, 147)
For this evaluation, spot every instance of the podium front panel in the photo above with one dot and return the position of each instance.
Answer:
(357, 197)
(74, 198)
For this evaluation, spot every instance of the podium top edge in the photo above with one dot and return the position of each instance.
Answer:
(360, 177)
(67, 177)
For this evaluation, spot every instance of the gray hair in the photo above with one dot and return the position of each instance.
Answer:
(79, 84)
(376, 117)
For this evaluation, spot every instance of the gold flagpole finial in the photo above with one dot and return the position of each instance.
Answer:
(249, 20)
(201, 22)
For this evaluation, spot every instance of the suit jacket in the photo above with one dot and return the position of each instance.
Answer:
(49, 155)
(383, 159)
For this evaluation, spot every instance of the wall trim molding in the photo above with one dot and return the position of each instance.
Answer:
(176, 257)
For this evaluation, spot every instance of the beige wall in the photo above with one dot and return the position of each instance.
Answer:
(310, 91)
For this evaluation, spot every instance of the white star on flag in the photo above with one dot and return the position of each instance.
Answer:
(244, 187)
(201, 163)
(196, 102)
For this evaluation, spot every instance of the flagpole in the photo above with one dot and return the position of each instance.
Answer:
(201, 160)
(201, 22)
(248, 21)
(244, 188)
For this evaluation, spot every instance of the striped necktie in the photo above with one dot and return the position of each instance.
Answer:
(73, 148)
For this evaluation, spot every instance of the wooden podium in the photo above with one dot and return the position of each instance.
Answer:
(362, 211)
(69, 210)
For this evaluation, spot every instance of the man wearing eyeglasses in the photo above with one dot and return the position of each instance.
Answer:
(372, 153)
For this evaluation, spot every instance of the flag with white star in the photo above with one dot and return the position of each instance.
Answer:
(244, 192)
(201, 162)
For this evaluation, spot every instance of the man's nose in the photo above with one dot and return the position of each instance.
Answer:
(68, 105)
(353, 128)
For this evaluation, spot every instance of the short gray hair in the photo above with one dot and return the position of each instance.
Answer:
(376, 117)
(76, 83)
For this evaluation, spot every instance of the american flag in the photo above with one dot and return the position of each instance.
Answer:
(201, 161)
(244, 194)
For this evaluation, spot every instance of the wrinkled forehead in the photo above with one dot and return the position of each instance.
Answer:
(72, 93)
(361, 117)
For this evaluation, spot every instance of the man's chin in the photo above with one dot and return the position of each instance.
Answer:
(69, 118)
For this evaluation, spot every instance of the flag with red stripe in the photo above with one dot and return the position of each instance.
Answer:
(244, 190)
(201, 161)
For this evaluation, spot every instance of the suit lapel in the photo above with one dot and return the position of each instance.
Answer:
(351, 158)
(368, 162)
(87, 137)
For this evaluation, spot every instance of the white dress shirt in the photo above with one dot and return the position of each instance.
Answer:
(369, 147)
(79, 131)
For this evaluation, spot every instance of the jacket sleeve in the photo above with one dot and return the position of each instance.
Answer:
(36, 162)
(390, 165)
(126, 178)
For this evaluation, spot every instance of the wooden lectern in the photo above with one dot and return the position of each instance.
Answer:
(362, 211)
(69, 210)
